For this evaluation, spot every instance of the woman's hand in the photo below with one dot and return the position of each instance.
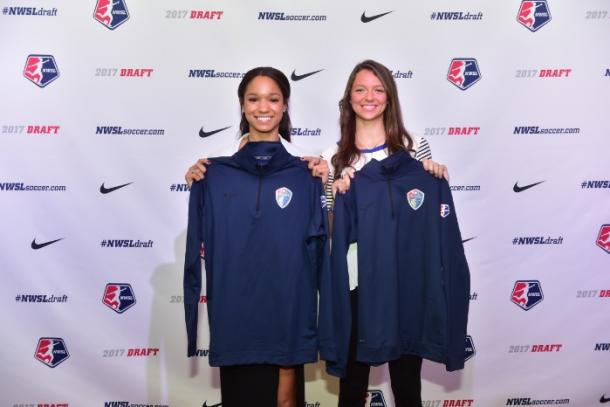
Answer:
(342, 184)
(318, 166)
(196, 172)
(436, 169)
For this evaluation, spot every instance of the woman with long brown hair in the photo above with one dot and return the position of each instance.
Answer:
(372, 129)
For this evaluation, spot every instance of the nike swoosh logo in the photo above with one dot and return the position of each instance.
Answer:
(211, 405)
(37, 246)
(366, 19)
(469, 239)
(105, 190)
(296, 77)
(603, 399)
(517, 188)
(204, 134)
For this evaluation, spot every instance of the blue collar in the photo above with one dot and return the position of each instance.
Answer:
(372, 150)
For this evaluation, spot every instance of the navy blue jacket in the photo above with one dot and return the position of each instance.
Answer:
(413, 278)
(261, 217)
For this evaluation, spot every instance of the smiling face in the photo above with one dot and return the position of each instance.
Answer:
(368, 97)
(263, 106)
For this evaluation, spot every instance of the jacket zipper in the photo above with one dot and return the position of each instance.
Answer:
(258, 192)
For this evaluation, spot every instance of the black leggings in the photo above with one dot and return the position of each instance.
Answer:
(405, 374)
(255, 385)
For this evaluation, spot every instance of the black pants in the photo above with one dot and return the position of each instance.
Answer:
(405, 374)
(255, 385)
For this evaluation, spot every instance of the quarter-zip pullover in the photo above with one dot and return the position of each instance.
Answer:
(413, 278)
(261, 218)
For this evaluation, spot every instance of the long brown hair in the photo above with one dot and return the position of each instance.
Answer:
(282, 82)
(395, 131)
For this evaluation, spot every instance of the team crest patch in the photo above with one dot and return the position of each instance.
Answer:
(283, 196)
(445, 211)
(415, 197)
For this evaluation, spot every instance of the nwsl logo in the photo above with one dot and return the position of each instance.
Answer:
(603, 238)
(533, 14)
(119, 297)
(374, 398)
(527, 293)
(463, 72)
(51, 351)
(41, 69)
(111, 13)
(469, 351)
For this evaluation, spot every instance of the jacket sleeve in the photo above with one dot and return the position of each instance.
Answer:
(319, 248)
(337, 309)
(457, 281)
(192, 264)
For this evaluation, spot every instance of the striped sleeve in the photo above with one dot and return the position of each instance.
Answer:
(328, 188)
(422, 149)
(330, 199)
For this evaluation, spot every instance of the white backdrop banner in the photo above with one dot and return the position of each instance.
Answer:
(104, 105)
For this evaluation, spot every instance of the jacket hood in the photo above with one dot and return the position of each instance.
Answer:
(392, 166)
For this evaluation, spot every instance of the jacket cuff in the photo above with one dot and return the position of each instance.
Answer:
(454, 364)
(191, 348)
(335, 369)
